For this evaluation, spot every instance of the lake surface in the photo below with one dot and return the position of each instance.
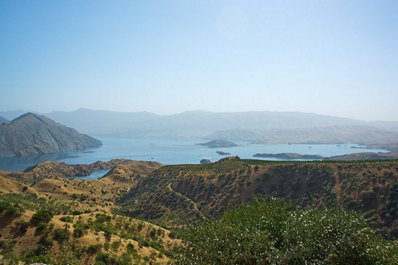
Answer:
(172, 151)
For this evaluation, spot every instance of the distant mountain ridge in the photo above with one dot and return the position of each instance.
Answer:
(254, 126)
(102, 122)
(32, 134)
(3, 120)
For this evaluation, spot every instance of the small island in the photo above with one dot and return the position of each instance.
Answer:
(219, 144)
(221, 153)
(289, 156)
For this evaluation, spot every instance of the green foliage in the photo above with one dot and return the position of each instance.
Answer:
(61, 235)
(66, 219)
(115, 245)
(270, 231)
(103, 258)
(80, 230)
(10, 209)
(92, 249)
(34, 203)
(42, 216)
(41, 228)
(22, 226)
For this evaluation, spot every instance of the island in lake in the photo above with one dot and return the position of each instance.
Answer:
(219, 144)
(221, 153)
(357, 156)
(289, 156)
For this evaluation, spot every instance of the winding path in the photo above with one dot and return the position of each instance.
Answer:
(195, 206)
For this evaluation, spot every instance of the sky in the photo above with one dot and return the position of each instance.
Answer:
(333, 57)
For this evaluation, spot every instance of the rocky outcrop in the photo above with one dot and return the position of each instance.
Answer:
(32, 134)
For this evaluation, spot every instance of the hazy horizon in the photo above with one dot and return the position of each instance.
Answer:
(13, 113)
(332, 58)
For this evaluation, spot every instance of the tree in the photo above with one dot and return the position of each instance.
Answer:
(270, 231)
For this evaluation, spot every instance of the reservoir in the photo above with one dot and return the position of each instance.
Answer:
(177, 151)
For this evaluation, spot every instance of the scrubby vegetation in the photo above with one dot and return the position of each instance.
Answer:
(271, 231)
(174, 194)
(57, 220)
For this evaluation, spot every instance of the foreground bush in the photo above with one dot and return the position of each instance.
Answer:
(270, 231)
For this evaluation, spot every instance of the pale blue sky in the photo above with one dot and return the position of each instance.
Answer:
(329, 57)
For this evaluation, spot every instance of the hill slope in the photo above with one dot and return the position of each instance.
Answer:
(194, 192)
(76, 220)
(32, 134)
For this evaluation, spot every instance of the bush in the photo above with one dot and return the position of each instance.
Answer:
(61, 235)
(79, 230)
(22, 226)
(103, 258)
(9, 209)
(115, 245)
(92, 249)
(272, 232)
(42, 216)
(40, 228)
(66, 219)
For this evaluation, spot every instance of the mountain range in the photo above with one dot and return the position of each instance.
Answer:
(32, 134)
(258, 127)
(3, 120)
(254, 126)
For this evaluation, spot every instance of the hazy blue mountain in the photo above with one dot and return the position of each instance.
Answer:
(10, 115)
(201, 123)
(358, 134)
(102, 122)
(255, 126)
(386, 125)
(3, 120)
(32, 134)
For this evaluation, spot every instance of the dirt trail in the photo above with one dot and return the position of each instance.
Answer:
(195, 206)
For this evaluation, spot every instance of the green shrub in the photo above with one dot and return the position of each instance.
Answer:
(103, 258)
(66, 219)
(79, 230)
(115, 245)
(41, 227)
(9, 209)
(92, 249)
(61, 235)
(22, 226)
(42, 216)
(270, 231)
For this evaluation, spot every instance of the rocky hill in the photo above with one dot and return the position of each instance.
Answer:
(32, 134)
(194, 192)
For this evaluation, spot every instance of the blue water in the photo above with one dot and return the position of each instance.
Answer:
(172, 151)
(94, 175)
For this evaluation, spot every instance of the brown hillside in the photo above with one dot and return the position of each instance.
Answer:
(186, 192)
